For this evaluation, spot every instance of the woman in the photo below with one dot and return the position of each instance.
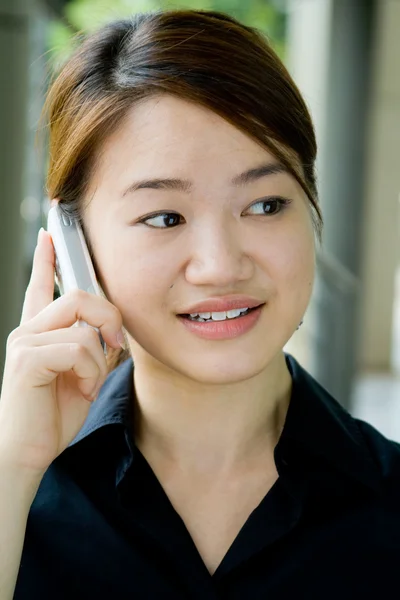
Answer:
(210, 464)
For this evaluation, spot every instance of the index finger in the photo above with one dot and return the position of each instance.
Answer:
(40, 290)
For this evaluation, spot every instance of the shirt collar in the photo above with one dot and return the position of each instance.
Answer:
(114, 403)
(315, 422)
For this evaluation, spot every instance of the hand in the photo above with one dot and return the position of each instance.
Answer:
(52, 371)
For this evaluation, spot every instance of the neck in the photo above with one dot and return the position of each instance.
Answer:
(210, 429)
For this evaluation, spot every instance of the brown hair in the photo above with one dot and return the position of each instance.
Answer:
(201, 56)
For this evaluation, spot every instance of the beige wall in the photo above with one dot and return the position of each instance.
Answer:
(382, 185)
(308, 61)
(382, 226)
(308, 56)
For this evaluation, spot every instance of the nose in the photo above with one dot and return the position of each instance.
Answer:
(217, 257)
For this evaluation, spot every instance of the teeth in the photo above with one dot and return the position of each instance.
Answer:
(205, 315)
(233, 313)
(218, 316)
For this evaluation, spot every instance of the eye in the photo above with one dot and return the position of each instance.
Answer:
(269, 206)
(165, 220)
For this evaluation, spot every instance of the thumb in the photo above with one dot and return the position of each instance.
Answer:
(40, 290)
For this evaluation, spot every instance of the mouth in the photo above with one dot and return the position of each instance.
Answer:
(226, 325)
(214, 317)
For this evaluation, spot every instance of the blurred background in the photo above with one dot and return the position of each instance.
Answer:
(344, 56)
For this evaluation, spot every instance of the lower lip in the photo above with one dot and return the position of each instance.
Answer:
(223, 330)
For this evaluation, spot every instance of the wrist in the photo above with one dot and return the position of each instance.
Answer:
(18, 481)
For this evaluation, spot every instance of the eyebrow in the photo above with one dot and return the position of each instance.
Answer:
(184, 185)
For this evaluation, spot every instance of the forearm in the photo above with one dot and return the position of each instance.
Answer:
(17, 492)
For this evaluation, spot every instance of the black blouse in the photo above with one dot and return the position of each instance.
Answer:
(101, 525)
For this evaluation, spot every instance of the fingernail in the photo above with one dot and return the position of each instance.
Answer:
(121, 339)
(40, 234)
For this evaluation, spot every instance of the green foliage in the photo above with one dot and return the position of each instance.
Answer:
(88, 15)
(91, 14)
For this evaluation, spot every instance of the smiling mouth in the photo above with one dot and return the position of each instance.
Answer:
(221, 316)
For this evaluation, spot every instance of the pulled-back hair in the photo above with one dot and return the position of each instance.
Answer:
(200, 56)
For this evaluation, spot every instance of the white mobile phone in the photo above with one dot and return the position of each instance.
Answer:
(73, 265)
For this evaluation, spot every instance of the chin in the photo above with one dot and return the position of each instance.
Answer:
(222, 371)
(216, 364)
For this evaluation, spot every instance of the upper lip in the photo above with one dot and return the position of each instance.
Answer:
(222, 304)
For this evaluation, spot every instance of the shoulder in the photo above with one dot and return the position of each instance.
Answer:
(352, 446)
(385, 453)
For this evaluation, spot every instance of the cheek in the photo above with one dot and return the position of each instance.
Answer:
(292, 266)
(138, 276)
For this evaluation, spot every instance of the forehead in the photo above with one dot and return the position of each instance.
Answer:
(177, 132)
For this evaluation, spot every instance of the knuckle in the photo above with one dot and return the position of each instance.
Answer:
(89, 335)
(75, 296)
(19, 358)
(77, 349)
(13, 337)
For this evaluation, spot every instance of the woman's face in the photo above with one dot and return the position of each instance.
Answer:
(208, 238)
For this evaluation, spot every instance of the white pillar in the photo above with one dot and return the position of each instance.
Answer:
(308, 42)
(330, 60)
